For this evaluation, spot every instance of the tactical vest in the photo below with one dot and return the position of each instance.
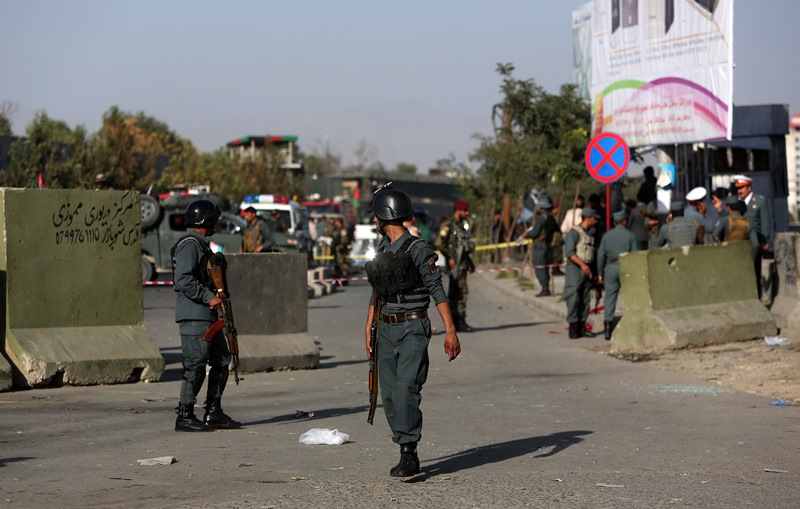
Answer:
(682, 232)
(585, 247)
(395, 277)
(200, 271)
(738, 228)
(253, 237)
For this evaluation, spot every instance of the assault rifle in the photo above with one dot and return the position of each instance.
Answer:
(216, 270)
(373, 359)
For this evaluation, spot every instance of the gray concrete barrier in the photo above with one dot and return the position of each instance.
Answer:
(70, 263)
(786, 305)
(5, 374)
(270, 301)
(690, 296)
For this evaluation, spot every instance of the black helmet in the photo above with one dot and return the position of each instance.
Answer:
(202, 213)
(389, 203)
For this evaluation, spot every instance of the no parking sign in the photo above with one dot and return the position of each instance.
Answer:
(607, 157)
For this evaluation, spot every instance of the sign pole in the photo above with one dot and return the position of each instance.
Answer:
(608, 207)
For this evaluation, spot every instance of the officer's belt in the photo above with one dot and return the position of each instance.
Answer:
(615, 260)
(403, 317)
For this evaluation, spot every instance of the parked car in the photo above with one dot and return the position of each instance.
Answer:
(291, 213)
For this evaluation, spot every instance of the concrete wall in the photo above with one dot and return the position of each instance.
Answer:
(786, 306)
(695, 296)
(269, 295)
(72, 296)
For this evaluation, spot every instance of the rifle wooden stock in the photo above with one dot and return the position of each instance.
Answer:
(216, 271)
(373, 360)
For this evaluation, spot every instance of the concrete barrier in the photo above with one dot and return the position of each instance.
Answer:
(5, 374)
(71, 288)
(786, 306)
(270, 301)
(690, 296)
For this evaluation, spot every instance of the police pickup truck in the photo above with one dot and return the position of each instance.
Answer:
(163, 223)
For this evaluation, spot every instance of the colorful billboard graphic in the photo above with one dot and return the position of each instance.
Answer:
(662, 70)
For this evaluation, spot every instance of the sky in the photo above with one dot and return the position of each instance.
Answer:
(412, 81)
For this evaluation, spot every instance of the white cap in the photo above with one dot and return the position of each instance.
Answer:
(741, 178)
(696, 194)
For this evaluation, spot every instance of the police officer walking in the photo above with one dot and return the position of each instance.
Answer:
(194, 313)
(258, 236)
(619, 240)
(579, 250)
(542, 233)
(456, 246)
(404, 276)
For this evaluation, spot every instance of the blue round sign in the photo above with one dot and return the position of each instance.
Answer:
(607, 157)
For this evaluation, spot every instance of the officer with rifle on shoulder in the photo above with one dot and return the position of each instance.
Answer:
(198, 302)
(404, 277)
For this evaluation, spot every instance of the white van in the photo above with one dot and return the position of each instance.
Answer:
(291, 213)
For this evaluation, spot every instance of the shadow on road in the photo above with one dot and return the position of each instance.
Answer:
(5, 461)
(301, 415)
(494, 453)
(327, 365)
(511, 326)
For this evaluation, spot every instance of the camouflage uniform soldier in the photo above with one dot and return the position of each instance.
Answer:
(341, 245)
(455, 244)
(258, 237)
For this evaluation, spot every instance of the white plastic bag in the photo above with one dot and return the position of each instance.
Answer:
(322, 436)
(776, 341)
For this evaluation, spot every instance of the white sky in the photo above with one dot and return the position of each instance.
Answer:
(413, 79)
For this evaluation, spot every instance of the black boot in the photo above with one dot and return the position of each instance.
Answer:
(409, 461)
(544, 293)
(607, 330)
(573, 331)
(215, 418)
(584, 332)
(463, 326)
(187, 421)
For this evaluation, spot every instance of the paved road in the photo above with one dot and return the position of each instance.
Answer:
(524, 418)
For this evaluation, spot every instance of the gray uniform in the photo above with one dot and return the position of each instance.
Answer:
(194, 317)
(543, 230)
(677, 233)
(691, 213)
(577, 285)
(403, 344)
(617, 241)
(759, 215)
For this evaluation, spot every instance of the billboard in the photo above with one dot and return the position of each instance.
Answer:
(662, 70)
(582, 48)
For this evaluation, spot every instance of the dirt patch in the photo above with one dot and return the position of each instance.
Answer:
(747, 366)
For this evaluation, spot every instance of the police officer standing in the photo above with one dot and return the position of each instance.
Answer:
(258, 237)
(579, 250)
(194, 313)
(404, 276)
(732, 226)
(678, 231)
(456, 246)
(759, 215)
(542, 233)
(619, 240)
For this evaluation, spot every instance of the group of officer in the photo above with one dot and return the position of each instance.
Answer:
(404, 276)
(743, 216)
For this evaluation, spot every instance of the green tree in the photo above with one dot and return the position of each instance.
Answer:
(51, 149)
(5, 125)
(7, 110)
(539, 141)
